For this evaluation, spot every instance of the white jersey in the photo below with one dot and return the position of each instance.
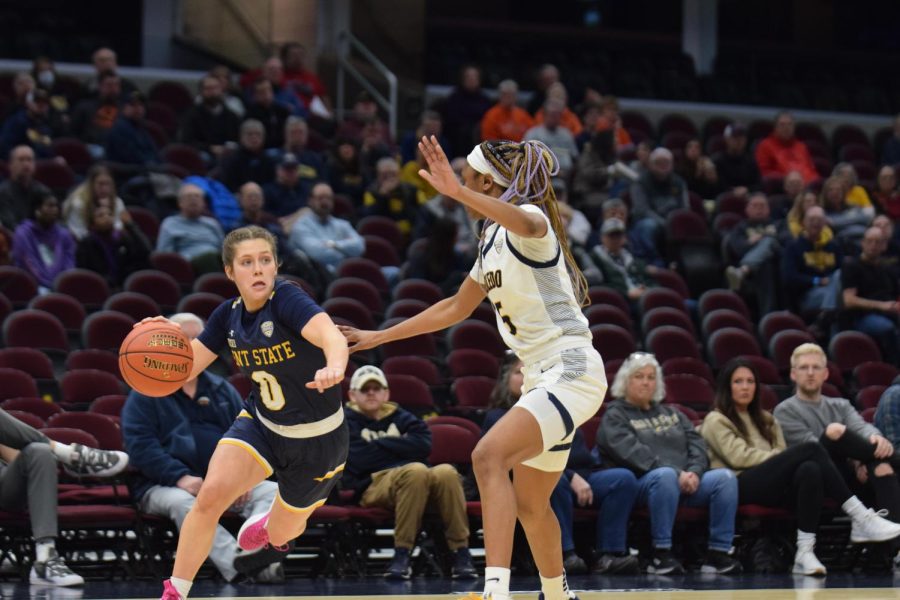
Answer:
(529, 287)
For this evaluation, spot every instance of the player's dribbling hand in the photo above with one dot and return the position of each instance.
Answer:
(358, 339)
(439, 174)
(325, 378)
(156, 319)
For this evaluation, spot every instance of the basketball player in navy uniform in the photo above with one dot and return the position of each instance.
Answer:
(292, 423)
(525, 269)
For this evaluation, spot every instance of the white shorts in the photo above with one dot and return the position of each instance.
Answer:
(564, 391)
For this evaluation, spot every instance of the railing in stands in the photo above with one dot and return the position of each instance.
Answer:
(346, 44)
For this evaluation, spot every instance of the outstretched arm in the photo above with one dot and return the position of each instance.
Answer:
(441, 176)
(438, 316)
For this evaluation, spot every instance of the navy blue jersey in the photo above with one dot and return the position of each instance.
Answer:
(268, 348)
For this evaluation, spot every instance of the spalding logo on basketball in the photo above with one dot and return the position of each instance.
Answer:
(156, 358)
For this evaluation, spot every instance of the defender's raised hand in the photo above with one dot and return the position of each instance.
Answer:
(439, 174)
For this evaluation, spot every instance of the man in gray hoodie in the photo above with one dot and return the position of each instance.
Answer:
(857, 448)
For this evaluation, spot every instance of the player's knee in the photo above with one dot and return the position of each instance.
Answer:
(834, 431)
(487, 459)
(530, 510)
(212, 500)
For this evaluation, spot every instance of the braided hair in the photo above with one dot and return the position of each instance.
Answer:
(529, 167)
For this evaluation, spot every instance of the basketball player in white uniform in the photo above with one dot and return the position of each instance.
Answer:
(527, 273)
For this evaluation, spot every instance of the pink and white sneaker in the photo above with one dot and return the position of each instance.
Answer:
(169, 592)
(253, 533)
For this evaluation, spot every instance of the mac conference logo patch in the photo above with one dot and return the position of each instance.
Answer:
(267, 328)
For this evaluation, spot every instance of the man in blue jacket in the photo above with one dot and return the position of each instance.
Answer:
(171, 441)
(387, 467)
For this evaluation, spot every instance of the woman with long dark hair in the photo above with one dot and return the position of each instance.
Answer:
(748, 440)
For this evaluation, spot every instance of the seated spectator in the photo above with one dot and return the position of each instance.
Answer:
(753, 244)
(809, 267)
(609, 120)
(615, 208)
(171, 440)
(439, 262)
(387, 468)
(23, 86)
(129, 141)
(569, 120)
(735, 165)
(591, 182)
(322, 236)
(299, 79)
(250, 161)
(782, 152)
(29, 482)
(430, 124)
(871, 293)
(251, 201)
(365, 116)
(545, 76)
(29, 126)
(231, 94)
(747, 439)
(21, 190)
(506, 391)
(288, 194)
(661, 447)
(622, 272)
(890, 153)
(273, 71)
(859, 451)
(891, 255)
(655, 194)
(43, 70)
(590, 118)
(389, 197)
(578, 227)
(345, 171)
(263, 107)
(191, 234)
(98, 187)
(885, 195)
(857, 195)
(794, 221)
(113, 253)
(209, 125)
(887, 415)
(105, 60)
(464, 109)
(592, 274)
(559, 139)
(41, 245)
(698, 171)
(612, 492)
(296, 142)
(94, 117)
(505, 120)
(847, 221)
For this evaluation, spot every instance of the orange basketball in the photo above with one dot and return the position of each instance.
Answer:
(156, 358)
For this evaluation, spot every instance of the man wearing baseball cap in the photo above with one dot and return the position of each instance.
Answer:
(623, 272)
(736, 167)
(387, 468)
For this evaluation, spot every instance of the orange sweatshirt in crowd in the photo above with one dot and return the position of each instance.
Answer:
(776, 157)
(569, 120)
(502, 123)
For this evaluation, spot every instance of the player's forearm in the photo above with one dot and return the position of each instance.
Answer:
(439, 316)
(335, 350)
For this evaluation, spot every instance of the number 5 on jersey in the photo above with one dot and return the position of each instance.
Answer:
(270, 391)
(506, 320)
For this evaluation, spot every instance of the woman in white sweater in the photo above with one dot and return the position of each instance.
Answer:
(747, 439)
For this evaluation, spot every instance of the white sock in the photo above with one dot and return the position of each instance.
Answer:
(42, 549)
(555, 588)
(496, 583)
(805, 539)
(182, 585)
(854, 508)
(63, 452)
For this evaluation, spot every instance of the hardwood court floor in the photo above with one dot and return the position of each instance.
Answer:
(840, 586)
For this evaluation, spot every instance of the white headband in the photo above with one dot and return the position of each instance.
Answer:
(478, 162)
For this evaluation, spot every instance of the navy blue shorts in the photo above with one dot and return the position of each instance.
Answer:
(306, 469)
